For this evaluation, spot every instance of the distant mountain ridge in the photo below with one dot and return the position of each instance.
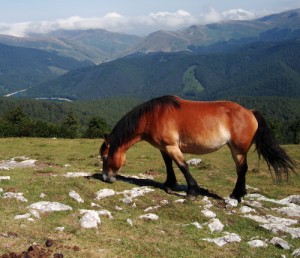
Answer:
(202, 61)
(99, 45)
(257, 69)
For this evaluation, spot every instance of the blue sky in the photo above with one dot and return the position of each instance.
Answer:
(18, 17)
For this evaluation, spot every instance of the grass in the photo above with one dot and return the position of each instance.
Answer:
(171, 236)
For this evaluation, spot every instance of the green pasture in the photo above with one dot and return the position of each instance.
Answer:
(172, 235)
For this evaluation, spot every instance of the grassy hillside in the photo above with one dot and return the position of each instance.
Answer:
(258, 69)
(172, 235)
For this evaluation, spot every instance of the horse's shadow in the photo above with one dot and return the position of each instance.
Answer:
(179, 191)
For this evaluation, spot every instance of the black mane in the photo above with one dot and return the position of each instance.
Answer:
(125, 128)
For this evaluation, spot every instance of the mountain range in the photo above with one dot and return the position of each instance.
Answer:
(235, 58)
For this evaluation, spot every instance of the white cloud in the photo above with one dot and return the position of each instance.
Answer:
(135, 25)
(212, 16)
(238, 14)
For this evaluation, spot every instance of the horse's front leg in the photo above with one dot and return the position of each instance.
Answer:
(171, 182)
(176, 155)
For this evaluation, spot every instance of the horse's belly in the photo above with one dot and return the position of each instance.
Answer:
(204, 144)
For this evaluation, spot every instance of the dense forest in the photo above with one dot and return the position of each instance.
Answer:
(92, 119)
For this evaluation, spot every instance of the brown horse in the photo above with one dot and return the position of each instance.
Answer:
(176, 126)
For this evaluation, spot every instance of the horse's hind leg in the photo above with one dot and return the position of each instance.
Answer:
(171, 182)
(241, 168)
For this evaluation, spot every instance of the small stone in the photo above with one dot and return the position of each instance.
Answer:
(76, 196)
(60, 229)
(129, 221)
(215, 225)
(208, 213)
(296, 253)
(246, 209)
(197, 225)
(149, 216)
(279, 242)
(194, 162)
(104, 193)
(257, 243)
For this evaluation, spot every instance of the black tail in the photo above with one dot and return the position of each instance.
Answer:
(266, 146)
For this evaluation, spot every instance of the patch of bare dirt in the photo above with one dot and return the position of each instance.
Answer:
(42, 251)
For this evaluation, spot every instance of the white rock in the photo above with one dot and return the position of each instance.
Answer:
(276, 224)
(129, 221)
(127, 200)
(105, 213)
(18, 196)
(118, 208)
(1, 190)
(276, 228)
(164, 202)
(194, 162)
(271, 219)
(8, 164)
(257, 243)
(231, 202)
(149, 216)
(180, 200)
(215, 225)
(292, 210)
(277, 241)
(104, 193)
(252, 203)
(208, 213)
(136, 191)
(60, 229)
(4, 178)
(252, 188)
(44, 206)
(197, 225)
(35, 213)
(296, 253)
(246, 209)
(90, 219)
(208, 203)
(76, 196)
(151, 208)
(42, 195)
(77, 174)
(24, 216)
(221, 241)
(295, 199)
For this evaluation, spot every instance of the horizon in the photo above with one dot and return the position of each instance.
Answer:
(135, 19)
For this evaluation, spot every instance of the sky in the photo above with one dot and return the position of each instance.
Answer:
(139, 17)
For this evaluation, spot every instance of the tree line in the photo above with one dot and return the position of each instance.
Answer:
(16, 123)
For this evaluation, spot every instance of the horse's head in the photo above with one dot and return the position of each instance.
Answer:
(112, 161)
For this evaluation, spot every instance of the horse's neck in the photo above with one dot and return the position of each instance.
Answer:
(131, 142)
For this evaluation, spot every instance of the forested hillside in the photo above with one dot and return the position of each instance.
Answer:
(46, 118)
(257, 69)
(21, 68)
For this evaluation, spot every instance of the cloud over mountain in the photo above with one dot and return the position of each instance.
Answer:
(114, 21)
